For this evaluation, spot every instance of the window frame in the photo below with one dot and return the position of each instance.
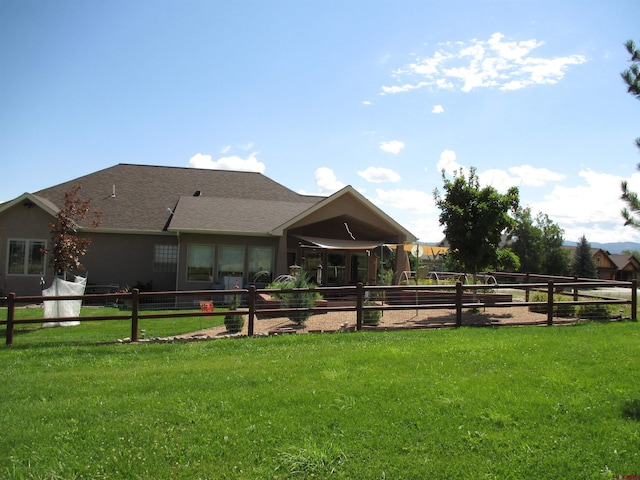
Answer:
(28, 245)
(212, 248)
(170, 265)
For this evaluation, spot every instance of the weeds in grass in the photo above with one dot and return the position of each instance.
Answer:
(313, 460)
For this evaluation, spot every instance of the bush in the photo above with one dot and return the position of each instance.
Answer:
(234, 322)
(595, 312)
(299, 299)
(371, 317)
(558, 310)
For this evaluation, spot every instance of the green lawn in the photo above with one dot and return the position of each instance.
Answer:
(90, 332)
(507, 403)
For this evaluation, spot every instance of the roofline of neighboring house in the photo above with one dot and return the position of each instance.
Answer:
(279, 231)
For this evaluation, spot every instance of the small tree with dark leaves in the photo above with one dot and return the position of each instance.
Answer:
(66, 245)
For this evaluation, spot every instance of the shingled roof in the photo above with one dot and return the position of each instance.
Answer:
(144, 198)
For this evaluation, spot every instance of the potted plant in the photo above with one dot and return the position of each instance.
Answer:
(371, 317)
(232, 321)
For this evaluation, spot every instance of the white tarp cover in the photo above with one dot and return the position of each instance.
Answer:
(335, 244)
(63, 308)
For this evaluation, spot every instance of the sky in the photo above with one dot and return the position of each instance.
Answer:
(384, 96)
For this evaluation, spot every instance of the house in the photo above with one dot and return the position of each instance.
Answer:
(612, 266)
(615, 266)
(191, 229)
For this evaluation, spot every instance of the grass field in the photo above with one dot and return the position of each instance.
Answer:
(102, 331)
(507, 403)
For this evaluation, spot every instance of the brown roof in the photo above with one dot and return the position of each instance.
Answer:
(145, 197)
(233, 215)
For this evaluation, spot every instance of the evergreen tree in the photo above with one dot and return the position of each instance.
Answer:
(583, 265)
(631, 77)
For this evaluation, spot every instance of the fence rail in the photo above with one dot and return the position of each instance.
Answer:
(353, 300)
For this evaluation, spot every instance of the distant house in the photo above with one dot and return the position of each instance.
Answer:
(188, 229)
(615, 266)
(612, 266)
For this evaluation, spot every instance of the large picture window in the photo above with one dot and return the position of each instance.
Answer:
(231, 261)
(26, 257)
(165, 258)
(261, 264)
(200, 263)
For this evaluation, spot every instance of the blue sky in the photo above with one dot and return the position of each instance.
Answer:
(380, 95)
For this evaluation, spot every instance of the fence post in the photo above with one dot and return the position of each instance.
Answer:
(252, 309)
(458, 303)
(550, 302)
(135, 299)
(526, 290)
(11, 308)
(575, 290)
(359, 305)
(634, 300)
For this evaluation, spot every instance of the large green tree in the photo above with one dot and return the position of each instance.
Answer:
(527, 242)
(555, 258)
(539, 244)
(631, 76)
(474, 219)
(583, 265)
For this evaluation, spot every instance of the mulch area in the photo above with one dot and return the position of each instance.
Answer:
(391, 320)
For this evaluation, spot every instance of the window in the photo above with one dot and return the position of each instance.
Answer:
(165, 258)
(231, 261)
(26, 257)
(200, 263)
(260, 260)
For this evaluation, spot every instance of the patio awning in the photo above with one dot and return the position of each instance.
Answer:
(335, 244)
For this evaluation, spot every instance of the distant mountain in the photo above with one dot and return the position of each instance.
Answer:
(614, 247)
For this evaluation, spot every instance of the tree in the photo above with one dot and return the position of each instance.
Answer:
(583, 265)
(475, 219)
(555, 259)
(631, 77)
(539, 244)
(66, 245)
(527, 242)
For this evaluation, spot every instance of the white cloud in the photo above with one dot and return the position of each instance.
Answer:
(535, 177)
(591, 208)
(394, 146)
(494, 63)
(448, 162)
(326, 181)
(414, 201)
(249, 164)
(379, 175)
(366, 102)
(437, 109)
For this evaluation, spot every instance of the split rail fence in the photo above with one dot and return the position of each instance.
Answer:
(353, 302)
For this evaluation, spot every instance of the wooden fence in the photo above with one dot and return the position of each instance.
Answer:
(355, 299)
